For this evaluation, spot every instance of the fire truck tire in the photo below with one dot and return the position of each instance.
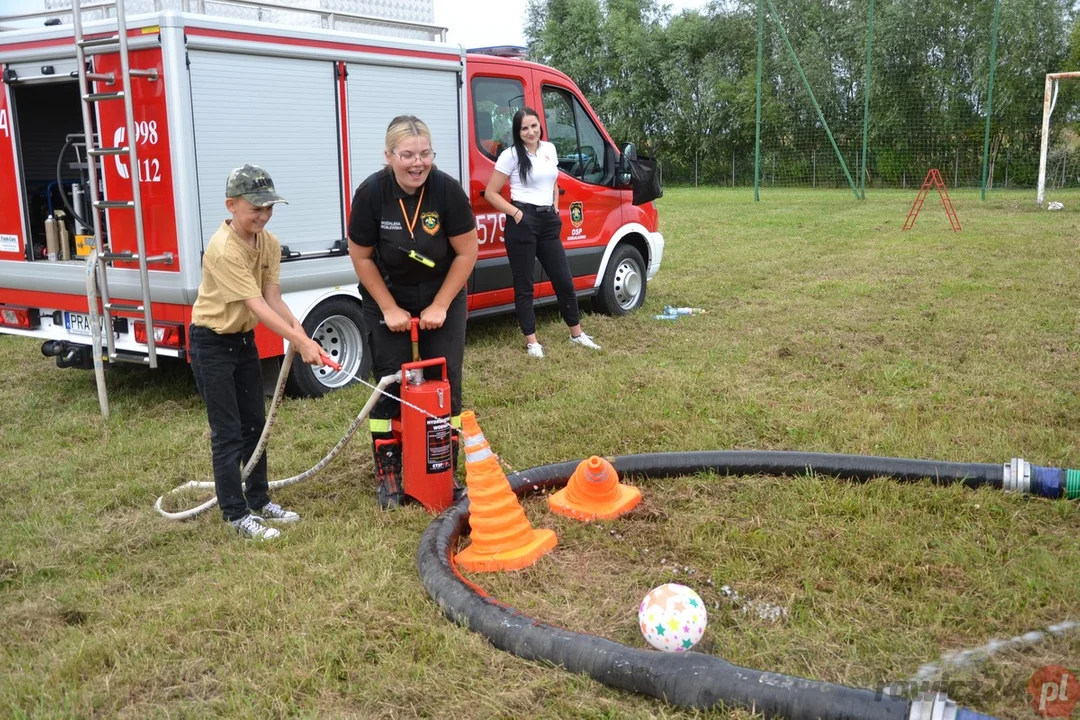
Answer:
(337, 325)
(624, 284)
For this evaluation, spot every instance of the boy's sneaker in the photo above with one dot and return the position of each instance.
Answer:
(272, 512)
(252, 528)
(584, 341)
(535, 350)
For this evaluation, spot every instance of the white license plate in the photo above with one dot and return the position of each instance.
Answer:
(79, 324)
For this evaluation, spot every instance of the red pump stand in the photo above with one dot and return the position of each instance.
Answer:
(425, 433)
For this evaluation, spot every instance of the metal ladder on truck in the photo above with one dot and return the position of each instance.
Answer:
(97, 263)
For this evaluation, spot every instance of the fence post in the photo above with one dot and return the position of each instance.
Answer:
(757, 121)
(866, 98)
(989, 93)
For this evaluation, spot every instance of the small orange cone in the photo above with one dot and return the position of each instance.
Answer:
(502, 537)
(594, 493)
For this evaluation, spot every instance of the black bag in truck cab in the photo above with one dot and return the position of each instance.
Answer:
(645, 180)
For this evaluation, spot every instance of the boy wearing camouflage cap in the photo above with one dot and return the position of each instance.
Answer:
(240, 288)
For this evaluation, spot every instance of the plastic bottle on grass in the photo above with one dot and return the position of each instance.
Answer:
(669, 310)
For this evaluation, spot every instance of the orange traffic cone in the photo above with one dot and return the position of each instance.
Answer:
(502, 538)
(594, 493)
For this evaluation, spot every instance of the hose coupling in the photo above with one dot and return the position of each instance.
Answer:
(932, 706)
(1017, 476)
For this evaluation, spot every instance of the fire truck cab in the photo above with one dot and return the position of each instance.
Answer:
(200, 95)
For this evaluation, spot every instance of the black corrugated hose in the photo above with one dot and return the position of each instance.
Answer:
(692, 680)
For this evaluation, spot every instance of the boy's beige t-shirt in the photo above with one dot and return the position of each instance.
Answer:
(233, 272)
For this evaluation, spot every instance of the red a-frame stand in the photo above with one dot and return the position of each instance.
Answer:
(933, 178)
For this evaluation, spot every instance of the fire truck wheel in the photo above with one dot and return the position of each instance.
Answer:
(624, 284)
(338, 326)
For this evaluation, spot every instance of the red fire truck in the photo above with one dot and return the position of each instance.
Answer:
(114, 147)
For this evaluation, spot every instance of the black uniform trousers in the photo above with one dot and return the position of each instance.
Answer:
(228, 374)
(390, 350)
(538, 237)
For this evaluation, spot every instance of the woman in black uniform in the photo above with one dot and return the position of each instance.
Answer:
(413, 245)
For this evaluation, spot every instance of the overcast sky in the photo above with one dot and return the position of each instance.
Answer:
(480, 24)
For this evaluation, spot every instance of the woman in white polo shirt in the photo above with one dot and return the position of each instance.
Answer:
(533, 226)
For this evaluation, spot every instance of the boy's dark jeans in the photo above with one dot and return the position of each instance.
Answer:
(228, 374)
(537, 237)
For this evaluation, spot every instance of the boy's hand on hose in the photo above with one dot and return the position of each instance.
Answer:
(311, 352)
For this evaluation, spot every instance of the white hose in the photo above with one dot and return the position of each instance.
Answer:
(275, 404)
(92, 263)
(964, 659)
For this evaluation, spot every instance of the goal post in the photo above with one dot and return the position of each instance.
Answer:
(1049, 100)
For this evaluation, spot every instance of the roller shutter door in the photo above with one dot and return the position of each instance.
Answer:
(279, 114)
(377, 94)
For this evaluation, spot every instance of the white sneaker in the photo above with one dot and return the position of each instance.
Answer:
(535, 350)
(584, 341)
(272, 512)
(251, 527)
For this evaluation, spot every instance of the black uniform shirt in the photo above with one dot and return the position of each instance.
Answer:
(377, 220)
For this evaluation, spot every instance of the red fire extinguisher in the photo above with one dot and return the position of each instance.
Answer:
(425, 433)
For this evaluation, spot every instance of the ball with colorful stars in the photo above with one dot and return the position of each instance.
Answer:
(672, 617)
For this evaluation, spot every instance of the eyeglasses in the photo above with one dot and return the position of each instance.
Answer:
(407, 156)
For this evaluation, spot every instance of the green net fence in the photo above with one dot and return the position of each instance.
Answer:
(928, 95)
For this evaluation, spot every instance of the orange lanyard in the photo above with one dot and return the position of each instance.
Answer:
(411, 225)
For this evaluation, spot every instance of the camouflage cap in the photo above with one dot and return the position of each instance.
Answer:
(253, 184)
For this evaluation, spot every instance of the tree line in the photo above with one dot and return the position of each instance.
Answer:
(684, 87)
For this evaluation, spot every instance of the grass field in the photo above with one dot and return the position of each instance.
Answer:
(828, 329)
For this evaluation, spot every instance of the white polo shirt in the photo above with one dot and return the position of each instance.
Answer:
(542, 176)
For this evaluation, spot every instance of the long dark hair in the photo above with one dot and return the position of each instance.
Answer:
(524, 164)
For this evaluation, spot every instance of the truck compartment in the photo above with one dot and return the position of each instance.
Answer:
(44, 115)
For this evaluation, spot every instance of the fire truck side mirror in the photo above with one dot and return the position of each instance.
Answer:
(622, 168)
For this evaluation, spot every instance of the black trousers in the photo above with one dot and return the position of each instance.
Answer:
(228, 374)
(389, 350)
(538, 237)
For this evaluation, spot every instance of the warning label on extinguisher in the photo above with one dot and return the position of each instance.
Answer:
(439, 445)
